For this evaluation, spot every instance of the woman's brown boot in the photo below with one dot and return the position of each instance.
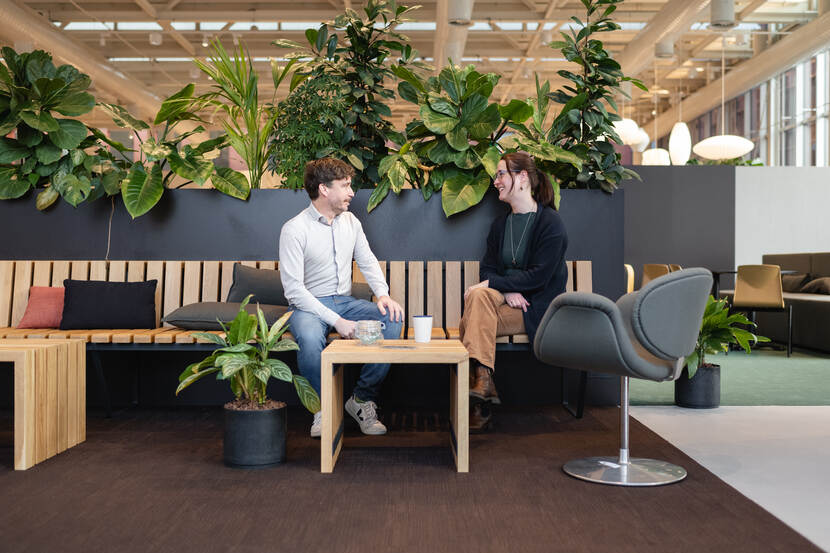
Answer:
(480, 415)
(484, 388)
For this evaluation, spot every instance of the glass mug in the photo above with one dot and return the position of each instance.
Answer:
(370, 332)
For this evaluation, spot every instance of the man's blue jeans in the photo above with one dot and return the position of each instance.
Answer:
(310, 332)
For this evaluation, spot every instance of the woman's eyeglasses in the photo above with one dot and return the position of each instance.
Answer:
(502, 172)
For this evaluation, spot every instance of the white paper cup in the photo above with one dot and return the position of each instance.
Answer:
(423, 327)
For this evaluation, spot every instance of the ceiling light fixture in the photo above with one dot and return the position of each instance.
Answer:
(722, 14)
(102, 40)
(155, 38)
(205, 40)
(680, 140)
(723, 146)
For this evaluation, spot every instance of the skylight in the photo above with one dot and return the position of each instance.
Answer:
(90, 26)
(138, 26)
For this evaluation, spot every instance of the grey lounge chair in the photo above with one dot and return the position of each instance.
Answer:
(646, 334)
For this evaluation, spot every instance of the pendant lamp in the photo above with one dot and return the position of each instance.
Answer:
(723, 146)
(642, 140)
(627, 130)
(680, 140)
(655, 155)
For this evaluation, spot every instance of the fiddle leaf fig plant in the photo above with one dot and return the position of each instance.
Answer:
(718, 331)
(584, 121)
(61, 156)
(360, 63)
(162, 156)
(243, 359)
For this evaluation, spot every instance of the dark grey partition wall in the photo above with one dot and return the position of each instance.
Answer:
(682, 215)
(202, 224)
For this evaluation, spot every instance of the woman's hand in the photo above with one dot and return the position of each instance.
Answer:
(516, 300)
(482, 284)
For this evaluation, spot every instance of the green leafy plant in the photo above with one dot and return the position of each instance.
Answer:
(718, 332)
(454, 146)
(162, 157)
(360, 64)
(247, 124)
(49, 151)
(243, 359)
(310, 125)
(584, 121)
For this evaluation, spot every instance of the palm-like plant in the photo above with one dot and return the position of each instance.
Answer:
(718, 331)
(243, 359)
(246, 122)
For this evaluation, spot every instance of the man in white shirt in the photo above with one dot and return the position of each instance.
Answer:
(316, 251)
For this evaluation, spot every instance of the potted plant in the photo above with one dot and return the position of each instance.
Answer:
(255, 426)
(698, 386)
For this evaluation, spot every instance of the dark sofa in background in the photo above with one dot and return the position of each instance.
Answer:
(811, 311)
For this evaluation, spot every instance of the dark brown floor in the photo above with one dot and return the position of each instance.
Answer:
(153, 481)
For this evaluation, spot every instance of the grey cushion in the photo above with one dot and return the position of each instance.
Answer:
(817, 286)
(793, 283)
(266, 286)
(204, 315)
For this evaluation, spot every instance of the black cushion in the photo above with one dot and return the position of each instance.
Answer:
(266, 286)
(91, 304)
(794, 282)
(817, 286)
(204, 315)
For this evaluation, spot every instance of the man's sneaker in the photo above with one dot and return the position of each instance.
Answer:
(366, 416)
(317, 425)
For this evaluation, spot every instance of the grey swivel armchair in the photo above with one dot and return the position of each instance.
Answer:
(646, 334)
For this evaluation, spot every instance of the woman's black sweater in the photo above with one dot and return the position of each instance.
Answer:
(544, 275)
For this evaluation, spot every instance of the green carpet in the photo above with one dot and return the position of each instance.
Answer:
(764, 377)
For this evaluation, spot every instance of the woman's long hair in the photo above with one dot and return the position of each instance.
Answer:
(540, 187)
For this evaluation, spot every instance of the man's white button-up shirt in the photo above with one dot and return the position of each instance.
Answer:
(316, 260)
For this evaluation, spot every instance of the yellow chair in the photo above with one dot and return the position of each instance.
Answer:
(629, 278)
(674, 267)
(652, 271)
(758, 288)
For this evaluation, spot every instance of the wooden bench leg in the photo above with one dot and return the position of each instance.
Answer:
(460, 415)
(331, 404)
(95, 356)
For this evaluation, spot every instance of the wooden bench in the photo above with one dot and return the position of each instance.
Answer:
(422, 287)
(49, 397)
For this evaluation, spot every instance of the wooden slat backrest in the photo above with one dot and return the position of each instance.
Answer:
(397, 282)
(22, 283)
(6, 292)
(582, 270)
(191, 286)
(60, 272)
(97, 270)
(569, 286)
(155, 271)
(42, 273)
(136, 271)
(453, 294)
(471, 275)
(210, 281)
(435, 293)
(270, 265)
(117, 271)
(80, 270)
(415, 296)
(172, 296)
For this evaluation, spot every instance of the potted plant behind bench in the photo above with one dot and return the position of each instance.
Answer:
(255, 426)
(698, 386)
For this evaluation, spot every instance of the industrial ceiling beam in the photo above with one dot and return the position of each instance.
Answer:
(789, 50)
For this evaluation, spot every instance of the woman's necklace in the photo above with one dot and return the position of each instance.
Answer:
(521, 238)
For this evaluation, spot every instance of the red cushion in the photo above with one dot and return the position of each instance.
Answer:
(45, 308)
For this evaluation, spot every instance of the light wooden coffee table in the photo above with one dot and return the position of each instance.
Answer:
(451, 352)
(49, 397)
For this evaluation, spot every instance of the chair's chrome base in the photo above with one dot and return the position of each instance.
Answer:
(637, 472)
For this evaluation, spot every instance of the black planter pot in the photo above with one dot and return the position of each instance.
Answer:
(255, 439)
(700, 392)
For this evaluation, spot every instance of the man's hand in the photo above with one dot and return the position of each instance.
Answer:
(516, 300)
(482, 284)
(395, 309)
(345, 328)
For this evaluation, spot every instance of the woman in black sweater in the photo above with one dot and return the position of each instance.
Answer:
(522, 271)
